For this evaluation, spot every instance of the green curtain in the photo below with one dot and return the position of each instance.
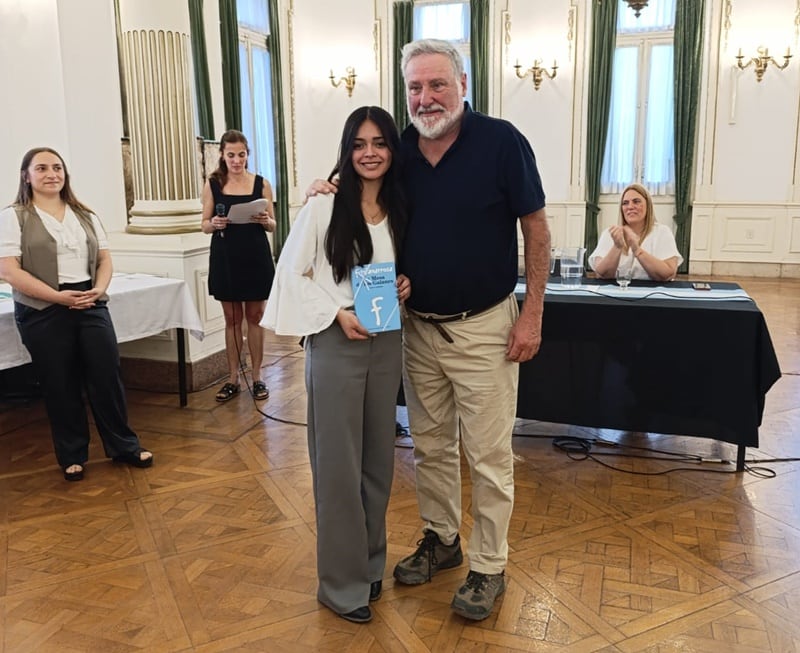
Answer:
(604, 41)
(403, 33)
(281, 170)
(688, 51)
(123, 91)
(479, 52)
(231, 82)
(205, 115)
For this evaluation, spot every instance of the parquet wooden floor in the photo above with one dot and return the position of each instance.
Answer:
(213, 549)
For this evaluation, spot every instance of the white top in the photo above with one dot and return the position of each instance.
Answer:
(659, 242)
(305, 297)
(71, 247)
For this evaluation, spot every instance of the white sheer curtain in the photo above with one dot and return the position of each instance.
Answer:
(641, 144)
(659, 142)
(248, 121)
(448, 21)
(258, 123)
(620, 151)
(253, 14)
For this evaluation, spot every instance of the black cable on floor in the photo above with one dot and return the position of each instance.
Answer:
(579, 449)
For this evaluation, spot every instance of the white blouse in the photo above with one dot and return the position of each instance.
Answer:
(71, 248)
(305, 298)
(659, 242)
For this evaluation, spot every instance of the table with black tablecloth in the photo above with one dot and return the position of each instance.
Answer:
(664, 359)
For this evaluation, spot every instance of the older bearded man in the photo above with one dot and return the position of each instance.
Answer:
(469, 179)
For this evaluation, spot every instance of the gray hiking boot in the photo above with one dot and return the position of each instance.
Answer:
(431, 556)
(475, 598)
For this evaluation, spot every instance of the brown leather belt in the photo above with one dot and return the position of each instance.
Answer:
(437, 320)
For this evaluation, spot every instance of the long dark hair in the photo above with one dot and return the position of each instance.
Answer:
(25, 194)
(347, 242)
(220, 175)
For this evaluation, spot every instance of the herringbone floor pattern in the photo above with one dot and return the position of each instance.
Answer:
(213, 549)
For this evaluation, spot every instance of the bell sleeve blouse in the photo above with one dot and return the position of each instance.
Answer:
(305, 298)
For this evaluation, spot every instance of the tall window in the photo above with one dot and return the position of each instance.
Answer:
(641, 142)
(258, 122)
(449, 21)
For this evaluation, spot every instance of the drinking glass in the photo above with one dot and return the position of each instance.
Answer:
(571, 266)
(624, 275)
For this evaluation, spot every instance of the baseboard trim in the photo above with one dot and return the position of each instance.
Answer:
(162, 376)
(745, 269)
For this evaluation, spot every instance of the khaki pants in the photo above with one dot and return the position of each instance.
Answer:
(471, 382)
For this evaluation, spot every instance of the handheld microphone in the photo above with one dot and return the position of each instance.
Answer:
(220, 208)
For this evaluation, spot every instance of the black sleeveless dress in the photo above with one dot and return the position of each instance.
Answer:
(241, 267)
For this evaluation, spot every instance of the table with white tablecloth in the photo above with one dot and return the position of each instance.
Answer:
(141, 305)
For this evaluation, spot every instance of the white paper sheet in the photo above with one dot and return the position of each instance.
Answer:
(240, 213)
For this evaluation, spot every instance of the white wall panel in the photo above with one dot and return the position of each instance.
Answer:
(33, 110)
(794, 235)
(746, 233)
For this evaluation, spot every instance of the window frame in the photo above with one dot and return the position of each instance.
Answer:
(248, 39)
(463, 45)
(644, 41)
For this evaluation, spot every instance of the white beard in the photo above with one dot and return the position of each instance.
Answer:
(445, 121)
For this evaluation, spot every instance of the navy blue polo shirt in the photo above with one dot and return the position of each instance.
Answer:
(460, 250)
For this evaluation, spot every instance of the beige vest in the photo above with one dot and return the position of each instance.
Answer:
(39, 254)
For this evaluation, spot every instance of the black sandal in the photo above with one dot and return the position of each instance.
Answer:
(134, 458)
(260, 390)
(227, 392)
(75, 475)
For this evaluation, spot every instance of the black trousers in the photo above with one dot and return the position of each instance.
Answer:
(72, 350)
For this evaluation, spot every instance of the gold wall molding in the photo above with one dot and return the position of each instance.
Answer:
(292, 96)
(571, 31)
(797, 25)
(376, 42)
(726, 23)
(506, 15)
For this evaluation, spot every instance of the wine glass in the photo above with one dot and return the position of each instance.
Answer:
(624, 275)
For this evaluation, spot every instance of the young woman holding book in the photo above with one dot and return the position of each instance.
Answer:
(352, 376)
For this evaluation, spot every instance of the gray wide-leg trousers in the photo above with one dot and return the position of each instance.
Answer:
(352, 388)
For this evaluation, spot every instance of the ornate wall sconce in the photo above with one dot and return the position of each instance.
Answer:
(762, 61)
(349, 80)
(537, 72)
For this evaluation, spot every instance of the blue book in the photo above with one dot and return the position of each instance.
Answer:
(375, 296)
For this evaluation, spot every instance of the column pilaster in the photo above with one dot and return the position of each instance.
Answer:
(156, 56)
